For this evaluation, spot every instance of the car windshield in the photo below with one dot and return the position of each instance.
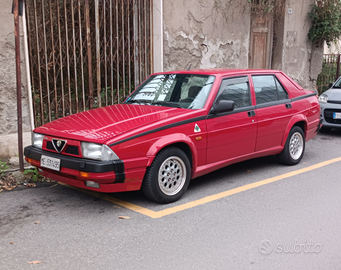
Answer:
(187, 91)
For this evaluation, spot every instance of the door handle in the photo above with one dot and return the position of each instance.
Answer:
(288, 106)
(251, 113)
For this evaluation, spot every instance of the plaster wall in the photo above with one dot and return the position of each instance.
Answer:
(300, 60)
(8, 92)
(205, 34)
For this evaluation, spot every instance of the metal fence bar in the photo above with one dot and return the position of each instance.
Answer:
(111, 55)
(61, 60)
(74, 54)
(46, 64)
(117, 56)
(88, 42)
(66, 36)
(67, 57)
(53, 63)
(81, 53)
(39, 71)
(105, 54)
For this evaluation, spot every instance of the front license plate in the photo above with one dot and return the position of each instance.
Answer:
(50, 162)
(336, 115)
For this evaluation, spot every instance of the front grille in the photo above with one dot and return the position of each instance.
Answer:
(68, 150)
(334, 101)
(72, 150)
(328, 116)
(49, 146)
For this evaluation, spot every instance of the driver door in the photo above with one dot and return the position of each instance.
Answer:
(232, 134)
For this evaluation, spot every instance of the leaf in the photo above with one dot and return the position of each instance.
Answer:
(248, 171)
(124, 217)
(35, 262)
(37, 222)
(11, 243)
(31, 185)
(8, 188)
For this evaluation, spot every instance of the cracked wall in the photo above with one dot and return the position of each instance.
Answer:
(295, 54)
(8, 91)
(205, 34)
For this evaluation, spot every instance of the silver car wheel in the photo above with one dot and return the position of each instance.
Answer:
(296, 145)
(172, 175)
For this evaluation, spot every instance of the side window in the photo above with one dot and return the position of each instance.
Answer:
(237, 90)
(268, 89)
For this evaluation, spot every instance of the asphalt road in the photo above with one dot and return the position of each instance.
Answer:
(265, 216)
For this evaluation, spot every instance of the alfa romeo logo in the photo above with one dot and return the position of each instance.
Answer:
(58, 145)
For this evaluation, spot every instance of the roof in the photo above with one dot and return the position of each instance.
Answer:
(219, 71)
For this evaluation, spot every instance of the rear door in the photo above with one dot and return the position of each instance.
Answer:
(273, 110)
(232, 134)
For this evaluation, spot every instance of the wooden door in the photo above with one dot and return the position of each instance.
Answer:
(261, 41)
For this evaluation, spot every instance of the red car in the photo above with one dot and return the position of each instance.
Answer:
(175, 127)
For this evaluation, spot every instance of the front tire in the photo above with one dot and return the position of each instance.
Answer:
(294, 147)
(168, 177)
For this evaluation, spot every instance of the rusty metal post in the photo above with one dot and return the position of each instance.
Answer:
(18, 73)
(88, 43)
(337, 67)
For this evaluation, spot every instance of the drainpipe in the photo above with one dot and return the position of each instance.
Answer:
(29, 86)
(18, 73)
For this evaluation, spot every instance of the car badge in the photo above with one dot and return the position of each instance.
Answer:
(58, 145)
(197, 128)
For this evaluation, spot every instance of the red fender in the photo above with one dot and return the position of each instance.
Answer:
(292, 122)
(169, 140)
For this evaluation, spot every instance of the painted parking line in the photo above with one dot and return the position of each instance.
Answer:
(211, 198)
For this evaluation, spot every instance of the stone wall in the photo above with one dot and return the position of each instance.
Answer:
(8, 92)
(205, 34)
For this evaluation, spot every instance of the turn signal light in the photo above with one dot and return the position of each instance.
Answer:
(84, 174)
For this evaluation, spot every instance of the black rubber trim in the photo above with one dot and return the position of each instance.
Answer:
(80, 164)
(303, 97)
(273, 103)
(319, 125)
(160, 129)
(237, 110)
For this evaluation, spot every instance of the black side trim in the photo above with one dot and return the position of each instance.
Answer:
(238, 110)
(161, 128)
(273, 103)
(81, 164)
(303, 97)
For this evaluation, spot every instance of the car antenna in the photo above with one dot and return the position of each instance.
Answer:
(189, 68)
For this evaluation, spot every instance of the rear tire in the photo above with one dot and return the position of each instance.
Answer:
(168, 177)
(294, 147)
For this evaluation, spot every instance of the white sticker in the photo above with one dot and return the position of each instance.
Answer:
(197, 128)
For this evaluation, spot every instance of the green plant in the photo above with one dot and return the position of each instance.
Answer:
(35, 176)
(326, 22)
(3, 168)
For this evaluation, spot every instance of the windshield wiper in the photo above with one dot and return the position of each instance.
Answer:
(167, 103)
(141, 101)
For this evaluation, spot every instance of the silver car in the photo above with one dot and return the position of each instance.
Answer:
(330, 102)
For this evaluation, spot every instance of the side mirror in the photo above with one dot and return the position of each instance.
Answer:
(222, 106)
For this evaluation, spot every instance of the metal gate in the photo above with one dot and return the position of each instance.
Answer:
(86, 53)
(330, 71)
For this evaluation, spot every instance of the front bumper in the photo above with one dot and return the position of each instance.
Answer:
(110, 175)
(327, 110)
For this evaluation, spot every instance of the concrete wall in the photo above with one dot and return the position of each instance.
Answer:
(205, 34)
(294, 53)
(8, 96)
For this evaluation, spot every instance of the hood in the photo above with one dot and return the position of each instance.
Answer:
(99, 125)
(333, 94)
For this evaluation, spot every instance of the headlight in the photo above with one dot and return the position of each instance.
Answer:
(323, 99)
(97, 151)
(37, 140)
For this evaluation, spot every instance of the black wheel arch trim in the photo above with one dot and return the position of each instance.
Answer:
(81, 164)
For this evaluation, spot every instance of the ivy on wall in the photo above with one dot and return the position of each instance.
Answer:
(326, 22)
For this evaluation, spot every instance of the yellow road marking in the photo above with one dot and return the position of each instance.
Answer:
(175, 209)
